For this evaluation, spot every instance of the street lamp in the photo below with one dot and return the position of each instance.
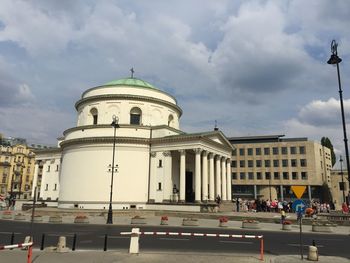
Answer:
(335, 60)
(110, 212)
(342, 177)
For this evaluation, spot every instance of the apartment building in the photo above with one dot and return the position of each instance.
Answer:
(267, 166)
(16, 169)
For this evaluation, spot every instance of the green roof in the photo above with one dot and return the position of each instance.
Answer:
(130, 82)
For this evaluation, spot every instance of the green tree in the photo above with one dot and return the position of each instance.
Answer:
(326, 142)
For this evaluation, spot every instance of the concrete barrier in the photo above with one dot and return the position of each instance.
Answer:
(61, 245)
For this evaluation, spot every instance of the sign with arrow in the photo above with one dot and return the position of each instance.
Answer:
(299, 206)
(298, 190)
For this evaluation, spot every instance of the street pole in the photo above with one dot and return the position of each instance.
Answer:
(110, 211)
(335, 60)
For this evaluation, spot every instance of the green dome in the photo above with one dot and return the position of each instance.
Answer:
(130, 82)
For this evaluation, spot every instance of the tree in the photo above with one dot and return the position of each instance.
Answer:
(326, 142)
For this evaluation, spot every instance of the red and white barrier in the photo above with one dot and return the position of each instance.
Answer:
(136, 233)
(21, 245)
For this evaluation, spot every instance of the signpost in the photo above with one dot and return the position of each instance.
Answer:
(299, 207)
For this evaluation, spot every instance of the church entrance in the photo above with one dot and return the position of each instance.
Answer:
(189, 188)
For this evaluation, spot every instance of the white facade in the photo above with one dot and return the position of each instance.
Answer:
(157, 163)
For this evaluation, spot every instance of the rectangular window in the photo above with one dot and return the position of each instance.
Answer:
(234, 164)
(294, 175)
(293, 163)
(55, 187)
(267, 175)
(242, 176)
(241, 151)
(302, 149)
(159, 186)
(258, 151)
(160, 163)
(258, 163)
(266, 151)
(275, 150)
(250, 163)
(293, 150)
(275, 163)
(250, 151)
(46, 187)
(285, 176)
(285, 163)
(95, 119)
(284, 150)
(241, 163)
(57, 166)
(303, 175)
(258, 176)
(303, 162)
(267, 163)
(276, 175)
(234, 176)
(250, 176)
(321, 165)
(234, 152)
(48, 168)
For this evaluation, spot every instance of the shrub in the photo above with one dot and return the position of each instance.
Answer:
(250, 221)
(223, 219)
(286, 222)
(7, 212)
(164, 218)
(81, 217)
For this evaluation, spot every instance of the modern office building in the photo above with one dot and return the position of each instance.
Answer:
(16, 168)
(267, 166)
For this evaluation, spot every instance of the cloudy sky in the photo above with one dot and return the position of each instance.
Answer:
(257, 67)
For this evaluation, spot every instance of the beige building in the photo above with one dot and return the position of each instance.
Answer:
(16, 170)
(339, 196)
(267, 166)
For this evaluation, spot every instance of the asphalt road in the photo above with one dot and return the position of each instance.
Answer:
(92, 237)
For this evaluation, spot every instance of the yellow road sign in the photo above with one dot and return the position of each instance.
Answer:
(298, 190)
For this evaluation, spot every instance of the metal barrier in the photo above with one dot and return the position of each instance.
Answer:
(135, 233)
(21, 245)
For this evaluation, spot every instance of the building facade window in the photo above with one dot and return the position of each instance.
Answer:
(294, 175)
(55, 189)
(250, 151)
(258, 163)
(159, 186)
(303, 163)
(267, 175)
(285, 176)
(275, 163)
(258, 176)
(250, 163)
(94, 114)
(293, 150)
(234, 164)
(234, 176)
(275, 150)
(284, 150)
(285, 163)
(241, 151)
(302, 149)
(160, 163)
(293, 163)
(46, 187)
(242, 176)
(48, 168)
(266, 151)
(250, 176)
(258, 151)
(241, 163)
(303, 175)
(135, 116)
(276, 175)
(267, 163)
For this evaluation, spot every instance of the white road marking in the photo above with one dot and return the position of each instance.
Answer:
(298, 245)
(236, 242)
(174, 239)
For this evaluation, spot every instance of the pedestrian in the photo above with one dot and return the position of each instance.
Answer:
(283, 216)
(237, 204)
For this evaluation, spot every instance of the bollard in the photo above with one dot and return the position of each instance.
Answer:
(105, 243)
(313, 253)
(134, 241)
(74, 242)
(27, 239)
(42, 241)
(61, 245)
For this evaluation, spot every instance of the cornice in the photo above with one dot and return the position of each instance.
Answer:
(105, 139)
(126, 97)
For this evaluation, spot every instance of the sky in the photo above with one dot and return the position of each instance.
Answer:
(256, 67)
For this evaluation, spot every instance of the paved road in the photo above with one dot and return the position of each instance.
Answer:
(92, 237)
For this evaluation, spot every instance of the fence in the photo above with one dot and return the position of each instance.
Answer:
(21, 245)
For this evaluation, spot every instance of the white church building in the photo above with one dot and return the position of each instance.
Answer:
(158, 166)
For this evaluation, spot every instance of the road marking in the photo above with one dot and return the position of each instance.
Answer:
(298, 245)
(174, 239)
(236, 242)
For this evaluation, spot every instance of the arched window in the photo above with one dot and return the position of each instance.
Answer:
(135, 116)
(94, 114)
(170, 120)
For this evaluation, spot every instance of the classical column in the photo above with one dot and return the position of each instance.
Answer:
(205, 176)
(255, 192)
(182, 175)
(217, 176)
(228, 180)
(223, 179)
(309, 192)
(168, 185)
(211, 178)
(198, 175)
(153, 178)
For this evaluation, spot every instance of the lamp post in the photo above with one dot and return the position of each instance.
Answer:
(342, 177)
(110, 212)
(335, 60)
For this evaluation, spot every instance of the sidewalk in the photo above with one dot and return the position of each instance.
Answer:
(16, 256)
